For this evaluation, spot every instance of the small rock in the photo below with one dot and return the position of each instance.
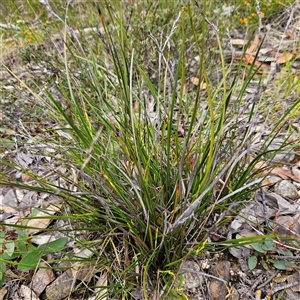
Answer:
(274, 179)
(297, 185)
(295, 277)
(191, 277)
(27, 294)
(41, 279)
(286, 189)
(296, 170)
(60, 288)
(291, 295)
(218, 289)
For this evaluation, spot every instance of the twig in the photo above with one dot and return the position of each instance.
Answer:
(280, 288)
(204, 274)
(258, 11)
(285, 257)
(9, 26)
(50, 10)
(256, 282)
(267, 281)
(287, 26)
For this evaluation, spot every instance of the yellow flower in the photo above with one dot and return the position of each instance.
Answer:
(25, 32)
(262, 14)
(254, 15)
(244, 21)
(29, 39)
(22, 44)
(47, 22)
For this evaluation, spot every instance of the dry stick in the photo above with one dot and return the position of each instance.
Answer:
(204, 274)
(275, 290)
(297, 258)
(9, 26)
(286, 27)
(267, 281)
(256, 282)
(259, 15)
(73, 32)
(161, 47)
(50, 10)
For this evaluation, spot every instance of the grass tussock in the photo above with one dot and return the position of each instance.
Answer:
(152, 164)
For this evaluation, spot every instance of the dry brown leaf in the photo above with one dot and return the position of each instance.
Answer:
(260, 165)
(265, 184)
(249, 57)
(280, 279)
(238, 42)
(26, 178)
(284, 58)
(292, 177)
(290, 35)
(195, 81)
(41, 224)
(254, 45)
(281, 173)
(285, 232)
(3, 292)
(102, 281)
(281, 58)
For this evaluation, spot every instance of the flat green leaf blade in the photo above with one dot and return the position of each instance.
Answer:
(29, 261)
(252, 262)
(10, 248)
(258, 247)
(54, 246)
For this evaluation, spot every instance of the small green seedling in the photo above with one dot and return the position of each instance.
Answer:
(22, 253)
(264, 250)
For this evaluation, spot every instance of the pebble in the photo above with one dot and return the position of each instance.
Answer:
(296, 170)
(218, 289)
(286, 189)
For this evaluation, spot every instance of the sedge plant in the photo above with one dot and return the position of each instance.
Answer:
(149, 160)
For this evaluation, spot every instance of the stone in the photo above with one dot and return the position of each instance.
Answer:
(191, 277)
(286, 189)
(218, 289)
(296, 170)
(41, 279)
(60, 288)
